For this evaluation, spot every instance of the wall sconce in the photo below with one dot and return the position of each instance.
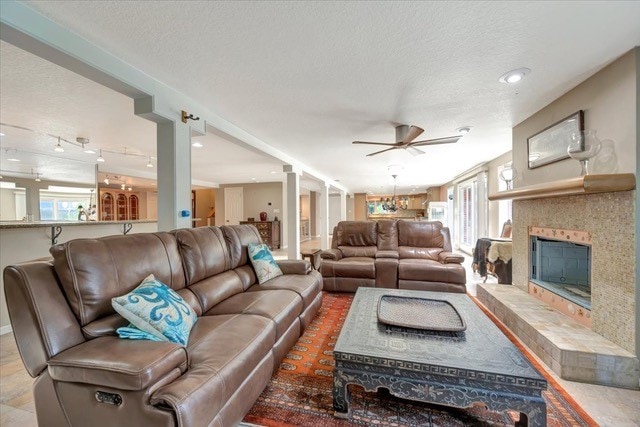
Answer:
(186, 116)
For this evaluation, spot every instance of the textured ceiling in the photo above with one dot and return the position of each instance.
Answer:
(310, 77)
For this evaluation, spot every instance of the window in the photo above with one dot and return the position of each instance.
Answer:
(62, 206)
(468, 203)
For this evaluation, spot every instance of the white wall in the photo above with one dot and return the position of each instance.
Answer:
(24, 244)
(8, 204)
(334, 211)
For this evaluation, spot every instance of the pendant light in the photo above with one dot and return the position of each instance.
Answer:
(100, 158)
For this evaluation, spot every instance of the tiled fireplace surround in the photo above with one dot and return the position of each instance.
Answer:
(606, 216)
(604, 354)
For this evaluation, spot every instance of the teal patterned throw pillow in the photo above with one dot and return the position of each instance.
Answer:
(155, 310)
(263, 263)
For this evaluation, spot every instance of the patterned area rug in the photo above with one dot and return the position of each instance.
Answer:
(300, 393)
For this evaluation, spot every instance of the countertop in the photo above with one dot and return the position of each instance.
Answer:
(37, 224)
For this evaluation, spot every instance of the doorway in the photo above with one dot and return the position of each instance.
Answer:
(233, 205)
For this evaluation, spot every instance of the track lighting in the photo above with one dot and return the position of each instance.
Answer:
(58, 148)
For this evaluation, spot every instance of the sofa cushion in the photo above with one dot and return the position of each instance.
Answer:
(204, 252)
(92, 271)
(388, 235)
(308, 286)
(358, 251)
(156, 309)
(423, 234)
(238, 238)
(356, 233)
(223, 350)
(427, 270)
(263, 263)
(212, 290)
(281, 306)
(418, 252)
(361, 267)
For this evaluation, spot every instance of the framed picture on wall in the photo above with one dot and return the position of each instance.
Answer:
(550, 144)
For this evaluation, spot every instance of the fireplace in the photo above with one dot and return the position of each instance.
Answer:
(560, 270)
(562, 267)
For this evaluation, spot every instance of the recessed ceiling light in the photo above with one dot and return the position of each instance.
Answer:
(196, 144)
(514, 76)
(464, 130)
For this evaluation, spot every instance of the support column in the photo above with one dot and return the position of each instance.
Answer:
(293, 212)
(324, 216)
(174, 175)
(343, 205)
(32, 201)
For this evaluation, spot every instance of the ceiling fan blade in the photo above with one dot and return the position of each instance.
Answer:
(389, 144)
(414, 132)
(381, 151)
(413, 150)
(445, 140)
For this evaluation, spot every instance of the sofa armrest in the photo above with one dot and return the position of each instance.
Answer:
(294, 266)
(119, 363)
(450, 258)
(334, 254)
(387, 254)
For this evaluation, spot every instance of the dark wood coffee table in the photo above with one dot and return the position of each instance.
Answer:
(456, 369)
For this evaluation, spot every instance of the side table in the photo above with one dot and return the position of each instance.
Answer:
(313, 255)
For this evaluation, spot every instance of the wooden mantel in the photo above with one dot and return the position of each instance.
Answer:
(587, 184)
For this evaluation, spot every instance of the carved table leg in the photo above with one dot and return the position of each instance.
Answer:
(340, 395)
(536, 417)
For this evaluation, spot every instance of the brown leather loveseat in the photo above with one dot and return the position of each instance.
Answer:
(64, 326)
(392, 254)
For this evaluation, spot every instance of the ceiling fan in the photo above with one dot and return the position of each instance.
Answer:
(405, 136)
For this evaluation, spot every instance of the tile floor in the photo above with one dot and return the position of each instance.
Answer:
(610, 407)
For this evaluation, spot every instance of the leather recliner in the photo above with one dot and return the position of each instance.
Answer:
(64, 326)
(392, 254)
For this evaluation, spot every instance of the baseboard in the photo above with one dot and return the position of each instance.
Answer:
(5, 329)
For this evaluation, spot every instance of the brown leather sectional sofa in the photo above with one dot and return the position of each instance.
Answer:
(64, 326)
(392, 254)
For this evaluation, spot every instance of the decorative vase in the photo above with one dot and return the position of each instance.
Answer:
(508, 174)
(263, 216)
(584, 146)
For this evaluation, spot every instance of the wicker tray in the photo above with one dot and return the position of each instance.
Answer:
(420, 313)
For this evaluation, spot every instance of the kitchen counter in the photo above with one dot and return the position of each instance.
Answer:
(37, 224)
